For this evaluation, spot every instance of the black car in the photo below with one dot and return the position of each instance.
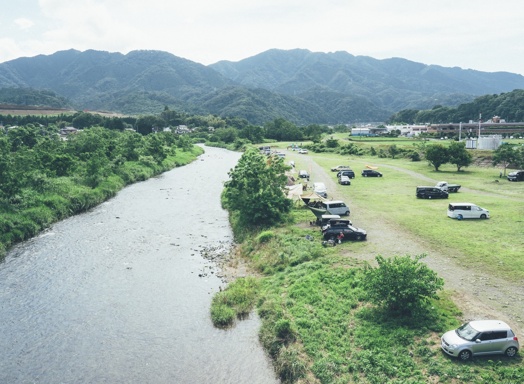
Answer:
(348, 172)
(349, 232)
(431, 193)
(371, 173)
(516, 176)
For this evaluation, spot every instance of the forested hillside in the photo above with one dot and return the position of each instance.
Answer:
(508, 106)
(301, 86)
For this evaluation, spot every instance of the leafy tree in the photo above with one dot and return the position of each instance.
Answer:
(414, 156)
(393, 151)
(436, 155)
(147, 124)
(84, 119)
(331, 143)
(253, 133)
(505, 154)
(226, 135)
(9, 185)
(283, 130)
(459, 155)
(519, 161)
(402, 284)
(255, 190)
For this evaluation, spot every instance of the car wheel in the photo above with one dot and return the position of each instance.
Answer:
(365, 175)
(464, 355)
(459, 217)
(347, 213)
(358, 238)
(483, 216)
(511, 351)
(429, 197)
(379, 175)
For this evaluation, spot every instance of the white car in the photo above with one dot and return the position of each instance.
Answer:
(344, 180)
(302, 151)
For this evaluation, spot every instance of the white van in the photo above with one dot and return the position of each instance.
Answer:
(320, 189)
(336, 207)
(461, 211)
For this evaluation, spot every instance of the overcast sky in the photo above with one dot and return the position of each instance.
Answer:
(476, 34)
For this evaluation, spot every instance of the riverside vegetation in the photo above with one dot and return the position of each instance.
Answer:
(45, 179)
(319, 322)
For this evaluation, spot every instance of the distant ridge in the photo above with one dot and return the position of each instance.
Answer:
(299, 85)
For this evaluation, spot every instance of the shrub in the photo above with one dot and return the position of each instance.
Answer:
(222, 315)
(265, 237)
(401, 284)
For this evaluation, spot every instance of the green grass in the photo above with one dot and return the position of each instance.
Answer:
(317, 324)
(482, 243)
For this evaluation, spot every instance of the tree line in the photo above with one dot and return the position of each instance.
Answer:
(509, 106)
(45, 178)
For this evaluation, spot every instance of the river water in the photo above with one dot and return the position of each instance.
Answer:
(121, 294)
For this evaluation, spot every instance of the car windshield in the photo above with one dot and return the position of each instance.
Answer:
(467, 332)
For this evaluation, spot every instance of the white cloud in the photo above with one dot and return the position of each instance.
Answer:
(24, 23)
(483, 35)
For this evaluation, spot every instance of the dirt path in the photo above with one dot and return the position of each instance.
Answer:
(478, 295)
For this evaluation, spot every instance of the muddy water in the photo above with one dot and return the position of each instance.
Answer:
(121, 294)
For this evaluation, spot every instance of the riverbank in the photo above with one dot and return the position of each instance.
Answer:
(317, 323)
(59, 198)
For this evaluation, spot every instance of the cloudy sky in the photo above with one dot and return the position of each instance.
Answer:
(482, 35)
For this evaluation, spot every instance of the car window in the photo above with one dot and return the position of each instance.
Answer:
(467, 332)
(499, 335)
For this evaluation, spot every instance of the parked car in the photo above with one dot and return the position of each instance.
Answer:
(335, 207)
(340, 168)
(449, 188)
(344, 180)
(324, 219)
(371, 173)
(424, 192)
(461, 211)
(320, 189)
(303, 174)
(349, 232)
(303, 151)
(480, 337)
(347, 172)
(516, 176)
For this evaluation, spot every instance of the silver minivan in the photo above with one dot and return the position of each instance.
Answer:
(461, 211)
(336, 207)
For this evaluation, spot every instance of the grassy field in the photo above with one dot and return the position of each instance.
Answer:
(498, 241)
(317, 324)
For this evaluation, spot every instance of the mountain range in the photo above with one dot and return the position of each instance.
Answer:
(298, 85)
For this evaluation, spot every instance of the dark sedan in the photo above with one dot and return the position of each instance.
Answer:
(349, 232)
(371, 173)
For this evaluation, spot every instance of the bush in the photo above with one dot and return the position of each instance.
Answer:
(402, 284)
(222, 315)
(265, 236)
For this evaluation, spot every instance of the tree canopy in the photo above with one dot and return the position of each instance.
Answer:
(255, 189)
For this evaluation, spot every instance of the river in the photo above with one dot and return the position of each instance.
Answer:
(121, 294)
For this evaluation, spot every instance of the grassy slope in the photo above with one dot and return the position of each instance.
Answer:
(317, 324)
